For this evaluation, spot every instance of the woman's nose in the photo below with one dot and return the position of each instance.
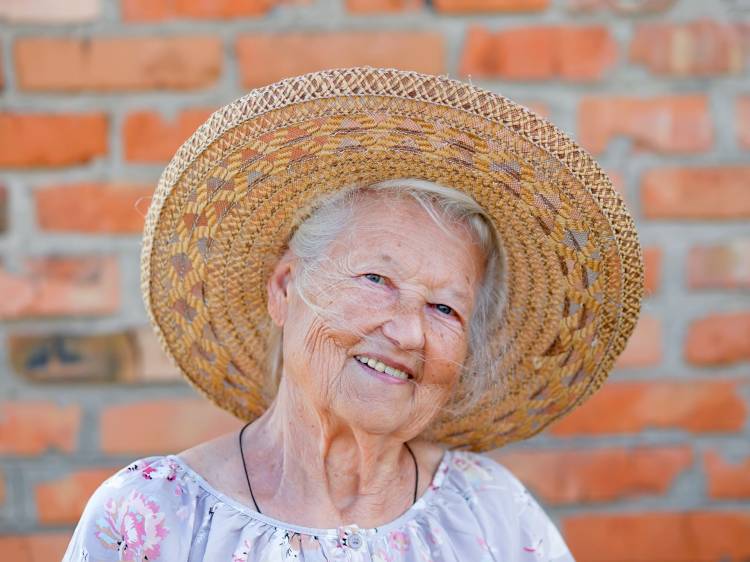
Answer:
(405, 329)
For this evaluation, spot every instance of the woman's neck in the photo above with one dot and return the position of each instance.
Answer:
(308, 467)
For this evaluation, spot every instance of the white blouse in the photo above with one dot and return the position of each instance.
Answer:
(158, 508)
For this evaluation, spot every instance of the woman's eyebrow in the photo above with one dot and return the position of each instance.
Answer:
(453, 293)
(458, 294)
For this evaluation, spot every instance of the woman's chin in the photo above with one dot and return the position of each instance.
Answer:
(374, 405)
(373, 420)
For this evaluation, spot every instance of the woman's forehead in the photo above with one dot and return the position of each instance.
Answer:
(412, 244)
(391, 231)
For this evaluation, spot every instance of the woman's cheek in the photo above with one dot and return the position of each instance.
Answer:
(363, 308)
(449, 348)
(450, 334)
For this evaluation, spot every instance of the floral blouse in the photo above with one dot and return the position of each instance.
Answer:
(159, 509)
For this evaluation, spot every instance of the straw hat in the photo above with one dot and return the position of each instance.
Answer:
(231, 197)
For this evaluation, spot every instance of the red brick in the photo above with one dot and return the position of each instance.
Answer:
(633, 406)
(697, 193)
(664, 537)
(62, 500)
(33, 427)
(578, 476)
(39, 547)
(61, 286)
(132, 356)
(743, 121)
(118, 63)
(469, 6)
(669, 124)
(652, 258)
(719, 339)
(50, 11)
(539, 53)
(129, 428)
(96, 208)
(31, 140)
(289, 54)
(628, 8)
(699, 48)
(721, 266)
(644, 348)
(65, 357)
(383, 6)
(149, 138)
(160, 10)
(727, 480)
(154, 365)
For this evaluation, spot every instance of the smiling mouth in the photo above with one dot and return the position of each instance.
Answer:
(382, 367)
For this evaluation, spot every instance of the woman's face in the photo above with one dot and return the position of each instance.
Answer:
(395, 290)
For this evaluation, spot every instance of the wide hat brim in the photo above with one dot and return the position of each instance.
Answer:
(228, 202)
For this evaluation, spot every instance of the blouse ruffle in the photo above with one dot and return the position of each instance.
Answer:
(159, 509)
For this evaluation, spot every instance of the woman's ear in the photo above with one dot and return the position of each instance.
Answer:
(278, 288)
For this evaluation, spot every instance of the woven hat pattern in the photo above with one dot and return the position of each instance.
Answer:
(232, 196)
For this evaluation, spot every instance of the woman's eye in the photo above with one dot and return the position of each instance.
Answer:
(444, 309)
(375, 278)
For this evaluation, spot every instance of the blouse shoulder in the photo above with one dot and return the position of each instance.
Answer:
(141, 512)
(501, 497)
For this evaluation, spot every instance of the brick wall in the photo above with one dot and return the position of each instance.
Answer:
(96, 95)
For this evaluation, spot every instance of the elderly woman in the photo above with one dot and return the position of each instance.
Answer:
(374, 269)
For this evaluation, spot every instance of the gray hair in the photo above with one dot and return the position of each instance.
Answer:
(444, 205)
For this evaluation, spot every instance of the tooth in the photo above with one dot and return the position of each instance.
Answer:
(381, 367)
(394, 372)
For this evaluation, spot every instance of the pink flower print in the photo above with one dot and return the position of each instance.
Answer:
(472, 470)
(147, 471)
(434, 537)
(437, 481)
(299, 543)
(295, 542)
(166, 469)
(161, 469)
(133, 526)
(241, 554)
(183, 512)
(536, 548)
(308, 543)
(399, 540)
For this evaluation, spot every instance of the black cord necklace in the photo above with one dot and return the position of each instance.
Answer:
(249, 487)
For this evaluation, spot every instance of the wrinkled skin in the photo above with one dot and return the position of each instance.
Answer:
(414, 267)
(330, 449)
